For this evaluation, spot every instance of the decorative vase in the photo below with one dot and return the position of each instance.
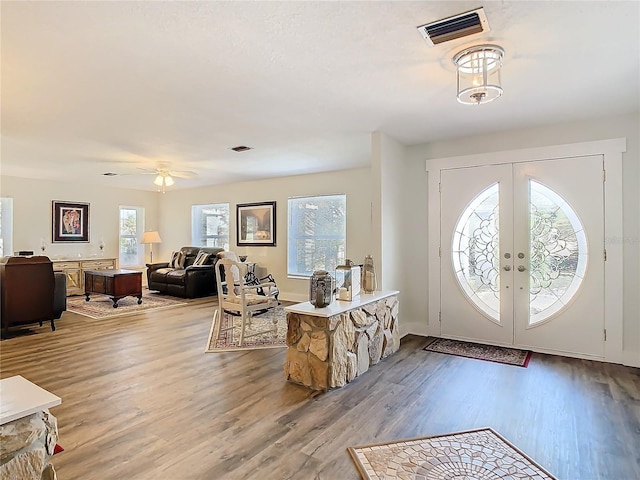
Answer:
(369, 283)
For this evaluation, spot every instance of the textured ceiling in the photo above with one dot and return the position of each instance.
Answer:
(94, 87)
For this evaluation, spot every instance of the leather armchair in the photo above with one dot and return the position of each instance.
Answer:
(31, 291)
(193, 281)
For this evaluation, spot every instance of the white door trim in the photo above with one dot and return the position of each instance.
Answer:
(612, 151)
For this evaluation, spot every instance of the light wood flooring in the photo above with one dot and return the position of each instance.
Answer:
(141, 400)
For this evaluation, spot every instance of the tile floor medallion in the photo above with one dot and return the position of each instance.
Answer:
(472, 455)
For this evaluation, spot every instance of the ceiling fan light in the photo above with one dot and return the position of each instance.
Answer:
(158, 181)
(168, 181)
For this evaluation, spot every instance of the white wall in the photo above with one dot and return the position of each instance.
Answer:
(387, 166)
(415, 304)
(32, 214)
(175, 224)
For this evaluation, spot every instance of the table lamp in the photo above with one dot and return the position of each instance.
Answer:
(149, 238)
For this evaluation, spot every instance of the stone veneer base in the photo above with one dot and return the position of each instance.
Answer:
(329, 352)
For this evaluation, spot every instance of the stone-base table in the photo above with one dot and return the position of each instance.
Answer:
(28, 432)
(329, 347)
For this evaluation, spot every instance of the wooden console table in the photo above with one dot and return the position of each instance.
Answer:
(328, 347)
(74, 270)
(116, 284)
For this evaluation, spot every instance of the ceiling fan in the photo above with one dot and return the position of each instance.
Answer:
(164, 176)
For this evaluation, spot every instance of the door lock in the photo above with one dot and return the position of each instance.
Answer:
(521, 255)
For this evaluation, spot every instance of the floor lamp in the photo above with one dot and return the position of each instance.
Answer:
(149, 238)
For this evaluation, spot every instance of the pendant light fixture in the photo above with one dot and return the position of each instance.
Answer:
(478, 70)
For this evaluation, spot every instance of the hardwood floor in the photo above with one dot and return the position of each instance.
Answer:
(141, 400)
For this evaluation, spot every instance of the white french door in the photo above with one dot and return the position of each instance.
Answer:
(522, 255)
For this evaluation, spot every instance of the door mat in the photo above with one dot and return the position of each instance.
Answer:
(480, 454)
(490, 353)
(228, 341)
(101, 306)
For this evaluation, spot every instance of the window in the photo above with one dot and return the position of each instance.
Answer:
(6, 226)
(131, 228)
(317, 237)
(210, 225)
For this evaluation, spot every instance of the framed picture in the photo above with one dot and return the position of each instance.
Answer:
(256, 224)
(70, 222)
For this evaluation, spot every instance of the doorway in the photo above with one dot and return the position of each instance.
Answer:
(522, 255)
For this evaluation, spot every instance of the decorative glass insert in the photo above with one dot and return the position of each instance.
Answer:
(475, 252)
(558, 250)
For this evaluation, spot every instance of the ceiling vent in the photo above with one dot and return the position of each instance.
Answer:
(240, 148)
(457, 26)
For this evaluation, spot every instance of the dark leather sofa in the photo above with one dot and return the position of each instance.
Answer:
(31, 291)
(193, 281)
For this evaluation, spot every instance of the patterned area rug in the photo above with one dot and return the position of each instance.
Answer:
(228, 341)
(472, 455)
(510, 356)
(100, 306)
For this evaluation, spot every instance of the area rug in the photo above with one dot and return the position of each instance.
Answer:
(101, 306)
(480, 454)
(490, 353)
(228, 341)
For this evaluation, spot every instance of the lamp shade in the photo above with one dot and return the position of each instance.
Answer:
(151, 237)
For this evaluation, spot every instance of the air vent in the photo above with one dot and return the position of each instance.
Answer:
(458, 26)
(240, 148)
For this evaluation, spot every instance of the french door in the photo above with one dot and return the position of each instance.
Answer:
(522, 255)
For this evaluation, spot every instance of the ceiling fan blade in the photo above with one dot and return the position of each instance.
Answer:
(183, 174)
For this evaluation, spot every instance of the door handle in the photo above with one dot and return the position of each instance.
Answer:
(507, 268)
(521, 268)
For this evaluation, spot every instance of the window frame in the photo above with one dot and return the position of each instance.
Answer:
(6, 226)
(140, 252)
(199, 238)
(292, 239)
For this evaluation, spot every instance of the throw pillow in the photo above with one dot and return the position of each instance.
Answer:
(177, 260)
(201, 258)
(181, 259)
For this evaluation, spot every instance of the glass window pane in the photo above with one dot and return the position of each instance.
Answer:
(130, 252)
(6, 226)
(316, 234)
(475, 252)
(558, 249)
(210, 225)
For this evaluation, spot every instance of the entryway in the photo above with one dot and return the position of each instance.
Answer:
(522, 255)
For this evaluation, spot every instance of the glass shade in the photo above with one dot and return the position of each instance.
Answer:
(478, 70)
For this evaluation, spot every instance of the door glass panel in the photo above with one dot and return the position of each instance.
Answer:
(558, 250)
(475, 252)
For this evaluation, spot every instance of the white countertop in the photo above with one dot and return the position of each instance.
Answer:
(19, 398)
(339, 306)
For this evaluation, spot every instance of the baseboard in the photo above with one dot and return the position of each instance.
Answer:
(631, 359)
